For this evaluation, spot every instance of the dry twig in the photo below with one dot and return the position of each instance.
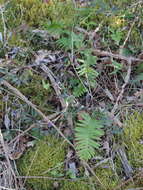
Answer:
(55, 86)
(127, 78)
(116, 56)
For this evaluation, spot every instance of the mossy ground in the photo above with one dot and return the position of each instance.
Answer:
(115, 19)
(35, 13)
(45, 159)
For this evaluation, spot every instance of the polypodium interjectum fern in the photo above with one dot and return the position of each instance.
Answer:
(79, 90)
(87, 135)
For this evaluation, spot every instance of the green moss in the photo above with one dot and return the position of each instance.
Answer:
(107, 177)
(32, 11)
(36, 12)
(18, 40)
(136, 39)
(133, 136)
(45, 159)
(75, 185)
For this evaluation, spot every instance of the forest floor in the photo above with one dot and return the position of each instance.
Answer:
(71, 95)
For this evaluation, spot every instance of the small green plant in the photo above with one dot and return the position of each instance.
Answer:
(116, 35)
(86, 68)
(79, 90)
(87, 134)
(70, 40)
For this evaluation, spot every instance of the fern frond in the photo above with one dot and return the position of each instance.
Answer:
(79, 90)
(86, 69)
(70, 39)
(64, 43)
(87, 134)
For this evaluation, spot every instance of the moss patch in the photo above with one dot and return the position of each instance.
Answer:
(45, 159)
(106, 179)
(75, 185)
(133, 133)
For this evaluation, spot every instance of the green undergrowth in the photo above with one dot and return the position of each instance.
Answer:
(62, 20)
(35, 13)
(48, 156)
(114, 18)
(47, 159)
(78, 185)
(105, 179)
(34, 90)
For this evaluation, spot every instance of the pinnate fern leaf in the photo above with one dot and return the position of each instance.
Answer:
(79, 90)
(87, 134)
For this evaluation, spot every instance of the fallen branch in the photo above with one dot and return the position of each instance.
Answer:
(127, 78)
(116, 56)
(125, 163)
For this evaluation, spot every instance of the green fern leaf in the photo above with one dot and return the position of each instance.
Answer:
(64, 43)
(79, 90)
(70, 39)
(86, 67)
(87, 134)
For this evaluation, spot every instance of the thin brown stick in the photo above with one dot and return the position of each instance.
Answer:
(46, 177)
(22, 133)
(55, 86)
(129, 32)
(39, 177)
(86, 165)
(116, 56)
(127, 78)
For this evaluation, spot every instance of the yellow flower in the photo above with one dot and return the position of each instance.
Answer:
(117, 22)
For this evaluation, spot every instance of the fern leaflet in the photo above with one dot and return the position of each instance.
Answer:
(86, 68)
(79, 90)
(87, 134)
